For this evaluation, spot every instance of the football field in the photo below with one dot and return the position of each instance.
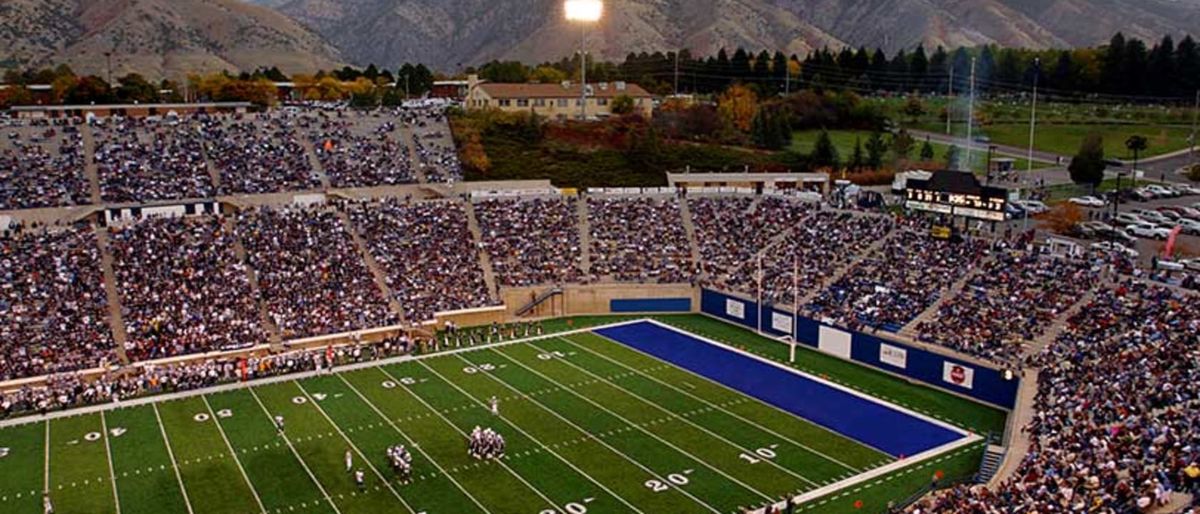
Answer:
(595, 421)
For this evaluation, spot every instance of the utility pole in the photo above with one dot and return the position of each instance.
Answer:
(677, 73)
(406, 95)
(971, 115)
(1195, 118)
(1037, 70)
(108, 59)
(787, 77)
(950, 99)
(583, 75)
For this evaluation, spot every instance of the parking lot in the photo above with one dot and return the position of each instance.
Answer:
(1187, 245)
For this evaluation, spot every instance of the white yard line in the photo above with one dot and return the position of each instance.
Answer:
(174, 465)
(413, 443)
(295, 453)
(597, 439)
(636, 427)
(213, 416)
(46, 465)
(673, 414)
(361, 455)
(534, 439)
(465, 436)
(711, 404)
(108, 453)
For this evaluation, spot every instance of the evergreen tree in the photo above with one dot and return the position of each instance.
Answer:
(919, 68)
(856, 159)
(927, 151)
(876, 148)
(1112, 64)
(1187, 65)
(951, 157)
(824, 154)
(1087, 167)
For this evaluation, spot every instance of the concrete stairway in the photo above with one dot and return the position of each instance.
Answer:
(485, 259)
(115, 313)
(1060, 323)
(264, 316)
(213, 173)
(842, 270)
(310, 153)
(1019, 418)
(89, 163)
(585, 237)
(910, 330)
(689, 228)
(373, 266)
(408, 138)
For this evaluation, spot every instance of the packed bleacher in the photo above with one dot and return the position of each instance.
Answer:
(1117, 414)
(896, 283)
(359, 150)
(427, 252)
(1014, 297)
(531, 241)
(42, 165)
(141, 161)
(639, 239)
(311, 276)
(259, 154)
(183, 290)
(53, 307)
(731, 231)
(438, 157)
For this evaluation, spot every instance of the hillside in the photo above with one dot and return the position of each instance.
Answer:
(445, 33)
(157, 38)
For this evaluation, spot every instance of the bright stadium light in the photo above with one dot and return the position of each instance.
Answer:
(584, 10)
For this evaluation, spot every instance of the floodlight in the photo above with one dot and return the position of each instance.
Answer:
(584, 10)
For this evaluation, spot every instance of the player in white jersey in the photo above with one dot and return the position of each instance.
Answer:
(360, 479)
(349, 461)
(279, 423)
(494, 405)
(47, 505)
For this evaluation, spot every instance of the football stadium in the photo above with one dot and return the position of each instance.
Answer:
(246, 270)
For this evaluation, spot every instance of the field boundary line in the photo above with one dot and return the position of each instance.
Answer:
(714, 405)
(685, 420)
(46, 463)
(361, 455)
(531, 437)
(213, 416)
(594, 438)
(501, 462)
(860, 394)
(634, 425)
(234, 386)
(174, 464)
(296, 454)
(108, 453)
(412, 443)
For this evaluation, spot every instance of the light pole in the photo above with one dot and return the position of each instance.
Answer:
(1037, 70)
(583, 11)
(971, 116)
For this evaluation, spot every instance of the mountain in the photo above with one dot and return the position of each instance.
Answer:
(157, 38)
(445, 33)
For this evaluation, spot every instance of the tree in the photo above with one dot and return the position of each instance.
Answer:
(902, 144)
(622, 104)
(856, 159)
(1193, 173)
(548, 75)
(824, 154)
(1136, 144)
(738, 106)
(876, 149)
(135, 88)
(927, 151)
(1087, 167)
(1064, 217)
(90, 90)
(952, 157)
(914, 108)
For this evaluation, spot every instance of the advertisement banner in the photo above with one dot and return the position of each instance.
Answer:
(735, 308)
(958, 374)
(781, 322)
(893, 356)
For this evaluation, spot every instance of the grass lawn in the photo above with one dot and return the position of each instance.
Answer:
(591, 426)
(804, 141)
(1065, 139)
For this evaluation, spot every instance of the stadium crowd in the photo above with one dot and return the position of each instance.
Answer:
(638, 239)
(313, 280)
(531, 241)
(893, 285)
(731, 231)
(1117, 423)
(427, 252)
(1014, 297)
(258, 154)
(140, 161)
(438, 157)
(42, 165)
(355, 155)
(53, 307)
(183, 290)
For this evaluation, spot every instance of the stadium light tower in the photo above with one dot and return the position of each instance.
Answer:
(583, 12)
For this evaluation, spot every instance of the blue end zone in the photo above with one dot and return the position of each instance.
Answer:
(868, 422)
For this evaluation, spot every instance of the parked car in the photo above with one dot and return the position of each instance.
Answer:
(1118, 235)
(1186, 189)
(1190, 226)
(1127, 218)
(1148, 231)
(1151, 215)
(1191, 264)
(1031, 206)
(1111, 247)
(1013, 212)
(1087, 201)
(1170, 265)
(1141, 195)
(1092, 229)
(1162, 191)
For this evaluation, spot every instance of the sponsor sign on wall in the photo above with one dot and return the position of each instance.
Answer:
(834, 342)
(735, 308)
(893, 356)
(781, 322)
(958, 374)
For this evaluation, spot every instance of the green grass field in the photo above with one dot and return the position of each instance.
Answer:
(1065, 139)
(804, 141)
(592, 426)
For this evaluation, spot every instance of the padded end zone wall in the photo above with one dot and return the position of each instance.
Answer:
(985, 384)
